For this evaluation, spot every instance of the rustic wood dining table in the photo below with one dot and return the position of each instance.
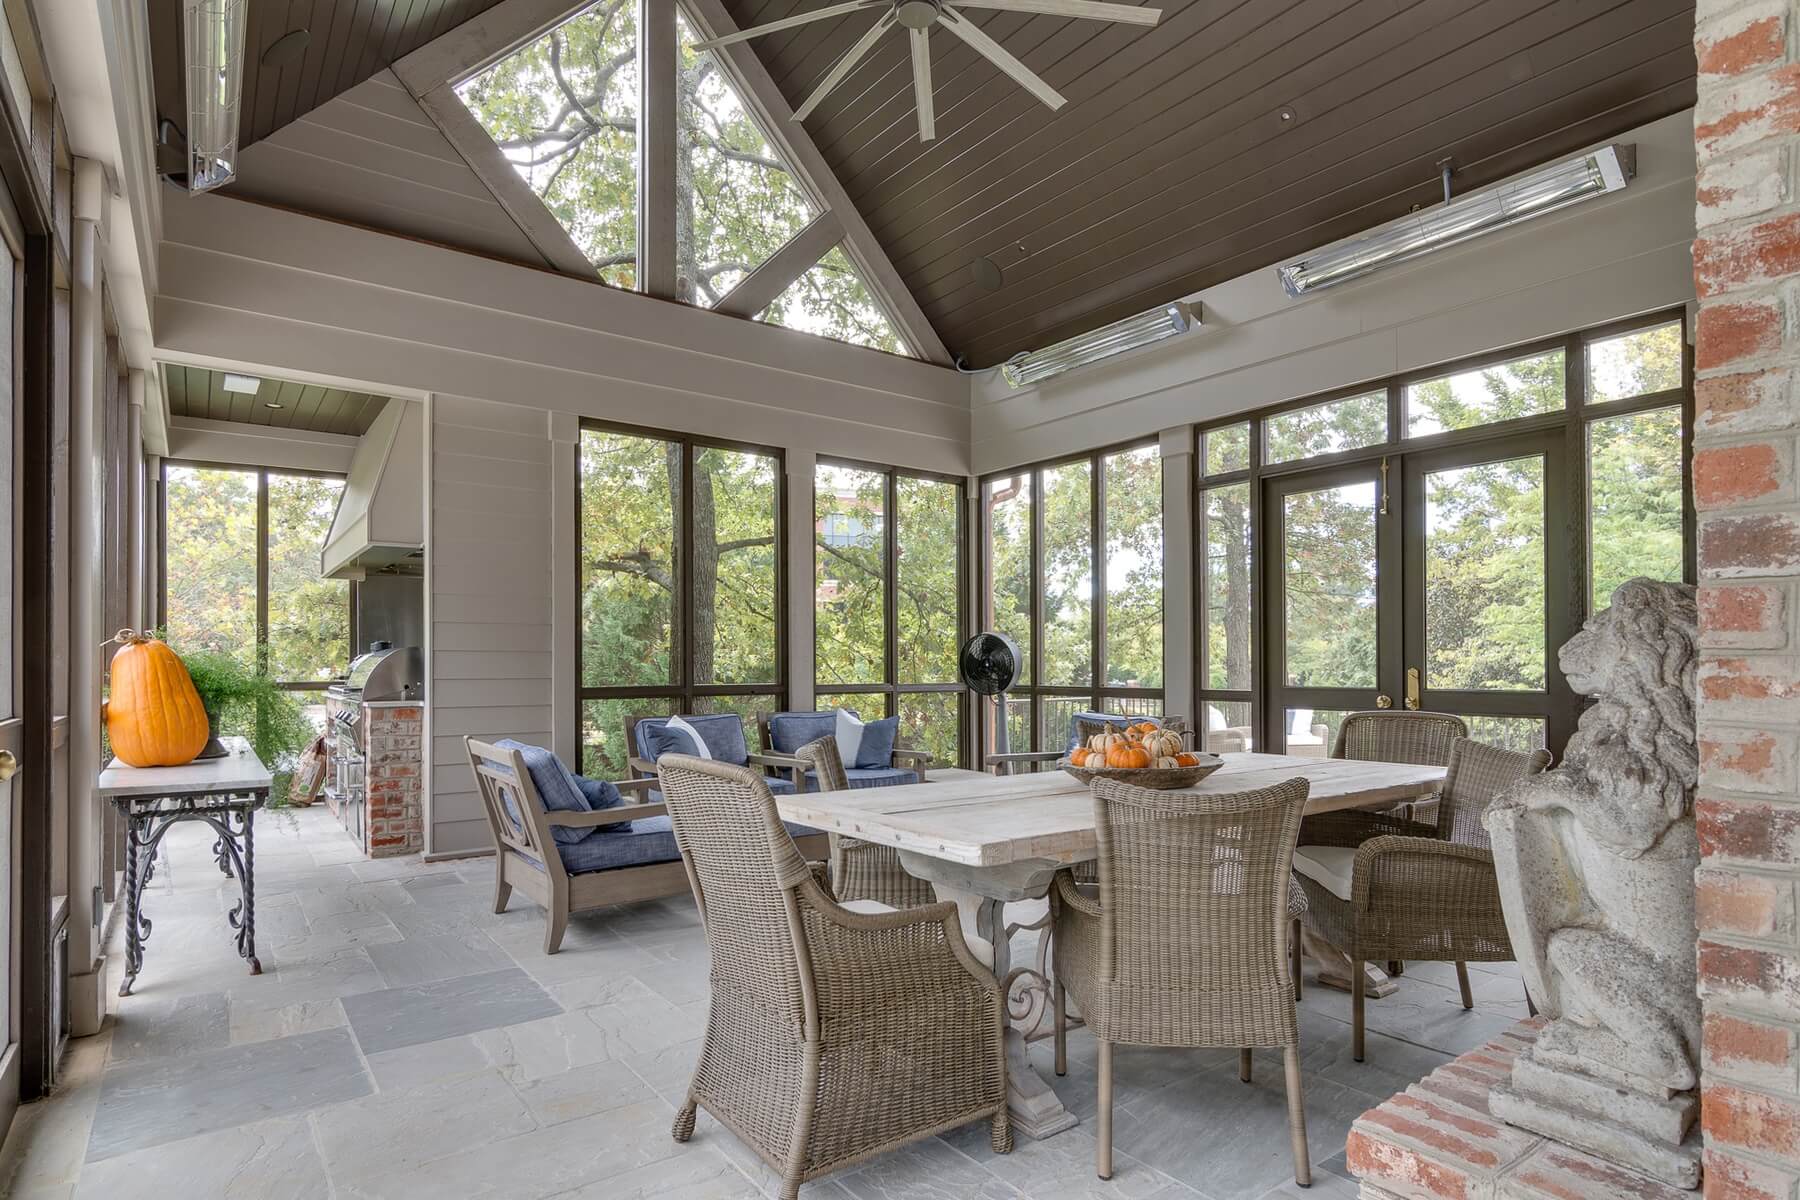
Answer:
(986, 841)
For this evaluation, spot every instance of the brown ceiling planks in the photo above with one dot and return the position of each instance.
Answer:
(350, 41)
(1170, 169)
(197, 392)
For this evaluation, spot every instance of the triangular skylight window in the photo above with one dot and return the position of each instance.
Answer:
(564, 110)
(736, 201)
(832, 301)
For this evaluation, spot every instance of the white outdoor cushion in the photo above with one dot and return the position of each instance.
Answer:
(849, 734)
(866, 907)
(693, 735)
(1329, 866)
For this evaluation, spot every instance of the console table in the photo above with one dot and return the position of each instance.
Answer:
(223, 792)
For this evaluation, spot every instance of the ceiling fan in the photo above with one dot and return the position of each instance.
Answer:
(917, 17)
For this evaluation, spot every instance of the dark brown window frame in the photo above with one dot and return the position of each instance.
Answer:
(1569, 508)
(891, 688)
(1099, 691)
(685, 691)
(262, 559)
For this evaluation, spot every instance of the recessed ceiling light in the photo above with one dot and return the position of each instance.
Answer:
(287, 49)
(1286, 115)
(243, 385)
(273, 404)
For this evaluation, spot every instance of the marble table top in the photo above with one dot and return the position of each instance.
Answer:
(239, 771)
(989, 820)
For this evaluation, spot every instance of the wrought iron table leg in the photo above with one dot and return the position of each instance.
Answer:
(221, 855)
(135, 878)
(247, 936)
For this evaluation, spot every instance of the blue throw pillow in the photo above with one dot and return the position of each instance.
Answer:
(600, 795)
(721, 738)
(556, 786)
(877, 749)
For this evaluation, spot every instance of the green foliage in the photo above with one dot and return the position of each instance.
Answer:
(565, 110)
(241, 702)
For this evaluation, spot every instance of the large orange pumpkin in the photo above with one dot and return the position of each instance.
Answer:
(154, 717)
(1127, 756)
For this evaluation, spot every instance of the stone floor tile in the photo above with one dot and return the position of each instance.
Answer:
(1059, 1168)
(47, 1145)
(267, 1160)
(642, 1022)
(545, 1047)
(667, 1071)
(692, 1175)
(164, 1100)
(424, 957)
(253, 1024)
(429, 1012)
(411, 1066)
(402, 1130)
(580, 1091)
(927, 1170)
(150, 1027)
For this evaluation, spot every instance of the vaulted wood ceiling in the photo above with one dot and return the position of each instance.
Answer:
(198, 392)
(1232, 136)
(1172, 166)
(350, 41)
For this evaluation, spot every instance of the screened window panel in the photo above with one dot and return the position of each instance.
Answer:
(1506, 391)
(309, 616)
(1634, 500)
(927, 588)
(1639, 363)
(1226, 449)
(210, 561)
(736, 509)
(833, 300)
(1008, 505)
(1485, 576)
(850, 562)
(932, 721)
(1329, 545)
(1068, 583)
(1228, 593)
(630, 560)
(1133, 563)
(1348, 424)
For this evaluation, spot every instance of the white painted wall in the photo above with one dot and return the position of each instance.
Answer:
(1603, 260)
(197, 439)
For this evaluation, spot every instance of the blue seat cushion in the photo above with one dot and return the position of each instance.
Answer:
(651, 840)
(561, 790)
(791, 730)
(723, 735)
(863, 777)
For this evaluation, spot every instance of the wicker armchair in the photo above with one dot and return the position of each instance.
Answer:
(861, 870)
(1185, 943)
(833, 1035)
(1414, 890)
(1398, 735)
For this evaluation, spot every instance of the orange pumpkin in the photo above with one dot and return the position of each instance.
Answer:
(154, 716)
(1187, 760)
(1128, 756)
(1078, 756)
(1145, 728)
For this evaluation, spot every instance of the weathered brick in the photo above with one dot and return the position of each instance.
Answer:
(1763, 689)
(1749, 830)
(1553, 1172)
(1743, 474)
(1735, 545)
(1748, 1050)
(1746, 185)
(1742, 39)
(1751, 616)
(1403, 1171)
(1760, 979)
(1731, 259)
(1748, 402)
(1740, 904)
(1755, 1121)
(1730, 332)
(1728, 1177)
(1747, 760)
(1746, 110)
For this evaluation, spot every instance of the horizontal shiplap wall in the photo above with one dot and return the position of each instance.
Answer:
(372, 156)
(488, 573)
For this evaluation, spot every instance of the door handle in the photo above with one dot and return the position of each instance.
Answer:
(9, 765)
(1412, 688)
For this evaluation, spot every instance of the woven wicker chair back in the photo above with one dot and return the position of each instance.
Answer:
(743, 866)
(1194, 903)
(1477, 774)
(1390, 735)
(827, 765)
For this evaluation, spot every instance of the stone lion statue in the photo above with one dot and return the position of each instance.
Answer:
(1596, 857)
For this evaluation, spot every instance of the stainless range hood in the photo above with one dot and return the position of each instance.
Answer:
(380, 521)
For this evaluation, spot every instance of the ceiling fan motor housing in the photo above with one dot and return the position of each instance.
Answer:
(915, 14)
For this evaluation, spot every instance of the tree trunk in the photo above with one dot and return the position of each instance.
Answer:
(706, 572)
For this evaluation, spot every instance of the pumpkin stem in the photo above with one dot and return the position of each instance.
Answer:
(126, 637)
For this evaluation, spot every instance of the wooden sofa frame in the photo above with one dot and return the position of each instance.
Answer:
(517, 846)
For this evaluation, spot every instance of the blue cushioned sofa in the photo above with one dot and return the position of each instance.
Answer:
(782, 734)
(628, 854)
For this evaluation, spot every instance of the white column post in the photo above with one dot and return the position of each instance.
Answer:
(565, 601)
(801, 465)
(135, 507)
(1179, 611)
(87, 342)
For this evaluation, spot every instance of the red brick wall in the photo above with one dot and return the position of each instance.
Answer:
(1747, 399)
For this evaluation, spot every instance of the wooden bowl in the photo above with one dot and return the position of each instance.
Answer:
(1162, 779)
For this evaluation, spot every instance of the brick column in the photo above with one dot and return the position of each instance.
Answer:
(1747, 349)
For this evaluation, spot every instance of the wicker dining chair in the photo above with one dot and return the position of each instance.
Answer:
(1185, 942)
(861, 870)
(1419, 891)
(1398, 735)
(833, 1035)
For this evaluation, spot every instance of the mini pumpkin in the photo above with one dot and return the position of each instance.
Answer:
(1078, 757)
(1166, 762)
(154, 717)
(1127, 756)
(1187, 760)
(1105, 741)
(1163, 743)
(1145, 728)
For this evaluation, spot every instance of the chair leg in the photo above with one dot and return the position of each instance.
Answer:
(1244, 1064)
(1000, 1135)
(502, 889)
(555, 923)
(684, 1121)
(1103, 1115)
(1299, 959)
(1061, 1017)
(1462, 981)
(1396, 967)
(1358, 980)
(1297, 1117)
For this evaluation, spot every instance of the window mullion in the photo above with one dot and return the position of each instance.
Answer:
(658, 56)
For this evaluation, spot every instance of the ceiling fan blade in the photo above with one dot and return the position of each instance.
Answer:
(820, 14)
(851, 57)
(997, 54)
(921, 63)
(1091, 9)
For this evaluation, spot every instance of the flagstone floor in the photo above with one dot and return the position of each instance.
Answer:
(406, 1041)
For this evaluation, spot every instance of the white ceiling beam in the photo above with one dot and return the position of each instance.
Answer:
(757, 290)
(758, 91)
(657, 202)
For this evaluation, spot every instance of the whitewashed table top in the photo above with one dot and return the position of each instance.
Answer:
(239, 771)
(988, 820)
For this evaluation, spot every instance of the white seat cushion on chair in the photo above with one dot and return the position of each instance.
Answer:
(1331, 867)
(866, 907)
